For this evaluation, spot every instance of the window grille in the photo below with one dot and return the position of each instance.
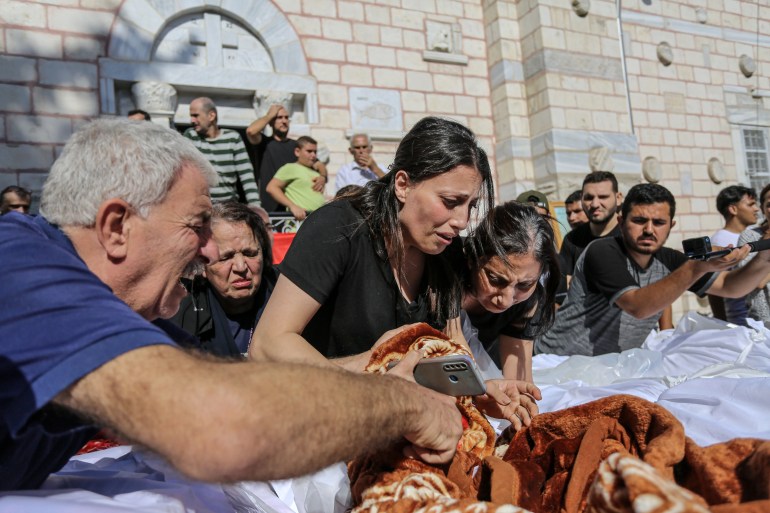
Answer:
(757, 157)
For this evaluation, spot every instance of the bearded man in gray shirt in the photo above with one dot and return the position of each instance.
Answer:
(622, 284)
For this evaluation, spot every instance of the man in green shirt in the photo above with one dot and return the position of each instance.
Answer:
(292, 185)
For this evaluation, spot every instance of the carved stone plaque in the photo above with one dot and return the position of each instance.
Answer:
(375, 109)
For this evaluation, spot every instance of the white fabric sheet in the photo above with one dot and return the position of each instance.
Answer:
(713, 376)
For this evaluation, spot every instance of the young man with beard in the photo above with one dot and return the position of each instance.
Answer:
(276, 151)
(600, 199)
(622, 284)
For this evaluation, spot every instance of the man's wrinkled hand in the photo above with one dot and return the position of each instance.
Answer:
(438, 428)
(368, 161)
(405, 368)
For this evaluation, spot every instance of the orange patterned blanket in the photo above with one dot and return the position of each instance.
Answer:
(618, 454)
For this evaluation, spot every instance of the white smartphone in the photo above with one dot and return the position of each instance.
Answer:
(453, 375)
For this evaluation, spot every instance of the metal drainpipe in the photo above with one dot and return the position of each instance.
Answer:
(623, 63)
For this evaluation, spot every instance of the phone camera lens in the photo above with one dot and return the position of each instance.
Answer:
(453, 378)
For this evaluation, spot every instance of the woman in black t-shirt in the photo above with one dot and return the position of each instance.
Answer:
(511, 284)
(371, 261)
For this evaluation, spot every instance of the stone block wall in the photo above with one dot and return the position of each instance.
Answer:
(380, 46)
(48, 81)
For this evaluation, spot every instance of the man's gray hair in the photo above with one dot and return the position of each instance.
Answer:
(365, 136)
(135, 161)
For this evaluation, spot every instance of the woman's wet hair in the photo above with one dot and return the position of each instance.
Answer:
(432, 147)
(517, 229)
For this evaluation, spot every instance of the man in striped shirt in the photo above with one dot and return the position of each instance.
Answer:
(226, 152)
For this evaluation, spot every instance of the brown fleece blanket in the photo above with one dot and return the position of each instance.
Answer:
(617, 454)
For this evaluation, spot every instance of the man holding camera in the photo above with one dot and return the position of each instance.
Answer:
(622, 284)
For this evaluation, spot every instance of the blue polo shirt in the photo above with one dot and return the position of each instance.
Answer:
(58, 322)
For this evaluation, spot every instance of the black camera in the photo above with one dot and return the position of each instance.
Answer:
(696, 247)
(699, 248)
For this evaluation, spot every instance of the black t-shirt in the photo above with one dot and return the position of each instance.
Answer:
(272, 155)
(513, 322)
(611, 269)
(333, 259)
(575, 243)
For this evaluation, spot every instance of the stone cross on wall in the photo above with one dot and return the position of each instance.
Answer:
(215, 38)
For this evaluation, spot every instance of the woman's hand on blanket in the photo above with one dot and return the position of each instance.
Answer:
(437, 430)
(510, 399)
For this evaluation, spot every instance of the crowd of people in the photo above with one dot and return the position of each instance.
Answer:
(200, 341)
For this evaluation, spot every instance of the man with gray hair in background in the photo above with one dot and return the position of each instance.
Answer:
(363, 169)
(125, 213)
(226, 152)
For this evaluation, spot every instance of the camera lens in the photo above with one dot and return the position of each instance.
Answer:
(453, 378)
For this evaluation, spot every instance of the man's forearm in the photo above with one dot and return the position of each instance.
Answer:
(280, 197)
(739, 282)
(376, 170)
(355, 363)
(252, 414)
(254, 130)
(320, 167)
(647, 301)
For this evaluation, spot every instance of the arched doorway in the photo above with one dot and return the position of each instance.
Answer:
(244, 55)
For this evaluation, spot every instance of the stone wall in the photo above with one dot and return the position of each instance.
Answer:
(48, 80)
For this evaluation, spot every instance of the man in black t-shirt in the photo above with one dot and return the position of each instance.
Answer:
(275, 151)
(600, 199)
(622, 284)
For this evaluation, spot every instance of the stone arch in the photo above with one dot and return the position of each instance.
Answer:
(141, 51)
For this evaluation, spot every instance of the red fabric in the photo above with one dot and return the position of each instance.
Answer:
(281, 243)
(102, 440)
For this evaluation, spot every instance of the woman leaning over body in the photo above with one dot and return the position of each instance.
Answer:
(510, 287)
(366, 264)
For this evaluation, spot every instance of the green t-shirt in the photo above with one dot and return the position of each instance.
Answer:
(299, 186)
